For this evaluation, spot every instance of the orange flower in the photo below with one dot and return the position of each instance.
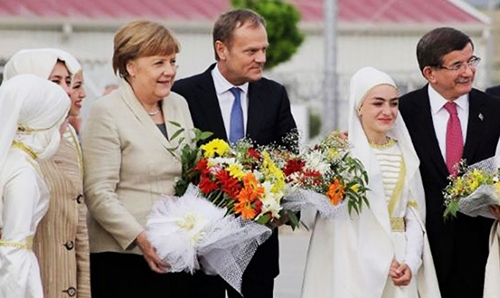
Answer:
(246, 209)
(336, 191)
(250, 192)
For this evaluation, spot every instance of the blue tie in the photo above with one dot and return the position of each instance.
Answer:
(236, 131)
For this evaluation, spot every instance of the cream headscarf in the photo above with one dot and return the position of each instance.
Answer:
(362, 82)
(39, 62)
(31, 111)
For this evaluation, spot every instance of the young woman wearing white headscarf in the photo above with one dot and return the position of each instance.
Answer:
(383, 251)
(61, 241)
(31, 112)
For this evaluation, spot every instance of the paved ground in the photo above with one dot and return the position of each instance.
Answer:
(293, 250)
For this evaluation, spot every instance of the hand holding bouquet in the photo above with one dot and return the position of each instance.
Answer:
(473, 190)
(217, 225)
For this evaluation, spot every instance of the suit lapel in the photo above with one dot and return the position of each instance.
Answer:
(475, 125)
(255, 109)
(142, 116)
(427, 134)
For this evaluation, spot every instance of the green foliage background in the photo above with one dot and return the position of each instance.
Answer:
(282, 20)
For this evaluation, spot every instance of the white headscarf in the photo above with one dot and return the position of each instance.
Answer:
(39, 62)
(36, 105)
(362, 82)
(31, 111)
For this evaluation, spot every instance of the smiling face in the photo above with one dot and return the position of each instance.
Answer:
(452, 84)
(152, 77)
(379, 111)
(242, 59)
(60, 76)
(77, 94)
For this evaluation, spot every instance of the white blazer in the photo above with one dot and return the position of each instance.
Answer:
(127, 166)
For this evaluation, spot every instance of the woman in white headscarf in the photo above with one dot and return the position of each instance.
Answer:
(383, 251)
(61, 241)
(31, 112)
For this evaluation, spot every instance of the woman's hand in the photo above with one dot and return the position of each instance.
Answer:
(400, 274)
(149, 253)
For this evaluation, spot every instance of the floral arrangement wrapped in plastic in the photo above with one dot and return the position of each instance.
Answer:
(326, 177)
(473, 189)
(225, 197)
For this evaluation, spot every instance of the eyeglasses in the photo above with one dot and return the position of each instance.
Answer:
(472, 63)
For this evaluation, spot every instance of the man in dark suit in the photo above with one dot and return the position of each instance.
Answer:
(459, 246)
(495, 90)
(240, 43)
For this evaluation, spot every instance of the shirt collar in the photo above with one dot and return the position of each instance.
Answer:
(437, 101)
(222, 85)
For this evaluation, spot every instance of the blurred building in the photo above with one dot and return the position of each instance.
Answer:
(380, 33)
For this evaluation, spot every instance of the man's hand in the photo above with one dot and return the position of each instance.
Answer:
(149, 253)
(495, 210)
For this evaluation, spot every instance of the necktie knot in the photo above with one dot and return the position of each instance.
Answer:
(451, 107)
(236, 92)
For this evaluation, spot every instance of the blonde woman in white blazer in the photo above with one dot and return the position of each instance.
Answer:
(128, 166)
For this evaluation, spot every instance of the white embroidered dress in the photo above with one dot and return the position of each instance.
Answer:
(32, 110)
(350, 255)
(26, 202)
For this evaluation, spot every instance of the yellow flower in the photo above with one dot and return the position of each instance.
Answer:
(497, 187)
(216, 146)
(236, 171)
(355, 188)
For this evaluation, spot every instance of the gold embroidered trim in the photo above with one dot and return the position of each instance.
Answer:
(398, 190)
(23, 245)
(390, 142)
(25, 149)
(413, 204)
(398, 224)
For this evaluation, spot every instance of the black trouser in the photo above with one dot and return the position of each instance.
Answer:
(129, 276)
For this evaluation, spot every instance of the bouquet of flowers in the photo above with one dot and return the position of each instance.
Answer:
(225, 197)
(326, 177)
(473, 190)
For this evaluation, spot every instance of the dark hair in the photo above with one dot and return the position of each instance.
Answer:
(434, 45)
(231, 20)
(141, 38)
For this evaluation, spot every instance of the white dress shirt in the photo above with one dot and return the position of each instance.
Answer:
(226, 99)
(440, 116)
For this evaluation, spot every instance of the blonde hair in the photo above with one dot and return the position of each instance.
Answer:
(141, 38)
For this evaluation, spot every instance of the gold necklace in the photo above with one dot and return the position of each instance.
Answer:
(25, 149)
(390, 142)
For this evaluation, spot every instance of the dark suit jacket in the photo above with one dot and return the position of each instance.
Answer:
(495, 90)
(269, 119)
(459, 246)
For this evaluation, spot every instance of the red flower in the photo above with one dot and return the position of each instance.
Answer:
(253, 153)
(206, 185)
(228, 184)
(293, 165)
(202, 166)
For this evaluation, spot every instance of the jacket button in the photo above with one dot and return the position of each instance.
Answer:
(79, 199)
(71, 291)
(69, 245)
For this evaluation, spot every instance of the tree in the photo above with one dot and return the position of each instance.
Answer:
(283, 33)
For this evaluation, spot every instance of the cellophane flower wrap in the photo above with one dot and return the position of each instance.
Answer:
(216, 222)
(326, 177)
(473, 189)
